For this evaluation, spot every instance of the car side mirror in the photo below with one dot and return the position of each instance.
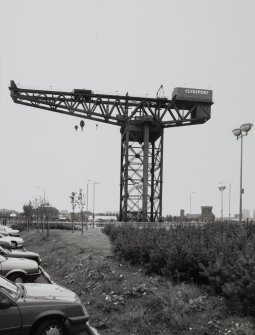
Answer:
(5, 304)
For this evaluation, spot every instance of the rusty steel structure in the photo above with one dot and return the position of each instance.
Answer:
(142, 121)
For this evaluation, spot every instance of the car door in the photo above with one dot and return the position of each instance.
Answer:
(10, 318)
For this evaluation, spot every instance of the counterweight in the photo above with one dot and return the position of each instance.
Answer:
(142, 121)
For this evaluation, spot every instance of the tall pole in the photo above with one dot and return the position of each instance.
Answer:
(94, 190)
(190, 202)
(229, 197)
(222, 188)
(87, 198)
(47, 219)
(94, 197)
(221, 205)
(239, 133)
(241, 183)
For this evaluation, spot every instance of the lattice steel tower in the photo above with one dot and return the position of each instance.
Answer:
(142, 122)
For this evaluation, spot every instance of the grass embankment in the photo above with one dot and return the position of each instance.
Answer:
(122, 299)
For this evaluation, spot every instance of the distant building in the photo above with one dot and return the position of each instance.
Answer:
(254, 214)
(103, 218)
(207, 214)
(195, 217)
(63, 212)
(6, 212)
(246, 214)
(182, 214)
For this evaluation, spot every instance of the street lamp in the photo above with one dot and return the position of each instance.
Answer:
(240, 133)
(190, 201)
(94, 196)
(229, 196)
(222, 188)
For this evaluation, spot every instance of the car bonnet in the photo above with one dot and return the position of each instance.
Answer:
(49, 292)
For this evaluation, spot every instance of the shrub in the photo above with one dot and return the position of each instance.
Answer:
(220, 254)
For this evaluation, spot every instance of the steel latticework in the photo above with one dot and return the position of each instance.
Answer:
(142, 122)
(141, 173)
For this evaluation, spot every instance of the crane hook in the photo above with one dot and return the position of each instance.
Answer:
(82, 124)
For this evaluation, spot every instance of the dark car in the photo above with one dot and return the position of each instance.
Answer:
(19, 269)
(5, 243)
(41, 309)
(21, 253)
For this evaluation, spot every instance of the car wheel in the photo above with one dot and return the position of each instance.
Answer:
(51, 327)
(17, 278)
(14, 244)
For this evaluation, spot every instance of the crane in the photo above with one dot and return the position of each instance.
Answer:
(142, 121)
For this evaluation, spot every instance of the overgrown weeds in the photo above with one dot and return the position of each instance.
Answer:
(122, 299)
(219, 254)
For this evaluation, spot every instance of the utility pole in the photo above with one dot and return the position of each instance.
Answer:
(94, 198)
(222, 188)
(240, 133)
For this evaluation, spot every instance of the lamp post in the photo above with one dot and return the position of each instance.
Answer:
(190, 196)
(94, 197)
(222, 188)
(229, 196)
(240, 133)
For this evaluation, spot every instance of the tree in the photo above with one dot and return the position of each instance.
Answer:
(40, 209)
(81, 201)
(73, 203)
(28, 212)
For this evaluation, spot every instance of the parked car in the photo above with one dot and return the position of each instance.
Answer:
(5, 243)
(41, 309)
(19, 269)
(20, 254)
(10, 231)
(15, 241)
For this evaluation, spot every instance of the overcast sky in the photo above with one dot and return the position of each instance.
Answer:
(114, 46)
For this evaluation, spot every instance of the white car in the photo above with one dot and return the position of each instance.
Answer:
(15, 241)
(10, 231)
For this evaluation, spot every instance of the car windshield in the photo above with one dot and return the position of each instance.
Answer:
(9, 288)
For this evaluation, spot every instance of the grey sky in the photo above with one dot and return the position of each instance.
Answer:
(119, 46)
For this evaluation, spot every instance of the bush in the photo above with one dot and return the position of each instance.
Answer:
(219, 254)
